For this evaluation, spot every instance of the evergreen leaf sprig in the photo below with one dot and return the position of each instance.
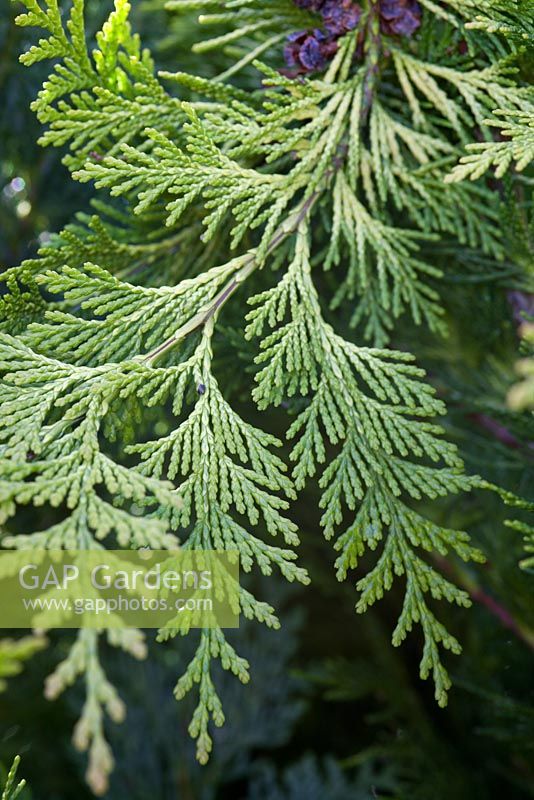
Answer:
(516, 129)
(372, 405)
(91, 100)
(331, 169)
(11, 789)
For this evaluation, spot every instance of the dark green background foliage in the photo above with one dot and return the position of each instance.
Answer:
(333, 711)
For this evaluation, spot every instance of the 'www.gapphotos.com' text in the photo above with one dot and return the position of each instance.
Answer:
(114, 605)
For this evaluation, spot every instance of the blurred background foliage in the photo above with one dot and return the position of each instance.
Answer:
(333, 711)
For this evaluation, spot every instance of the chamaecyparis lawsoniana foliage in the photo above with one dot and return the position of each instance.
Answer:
(313, 177)
(13, 654)
(13, 788)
